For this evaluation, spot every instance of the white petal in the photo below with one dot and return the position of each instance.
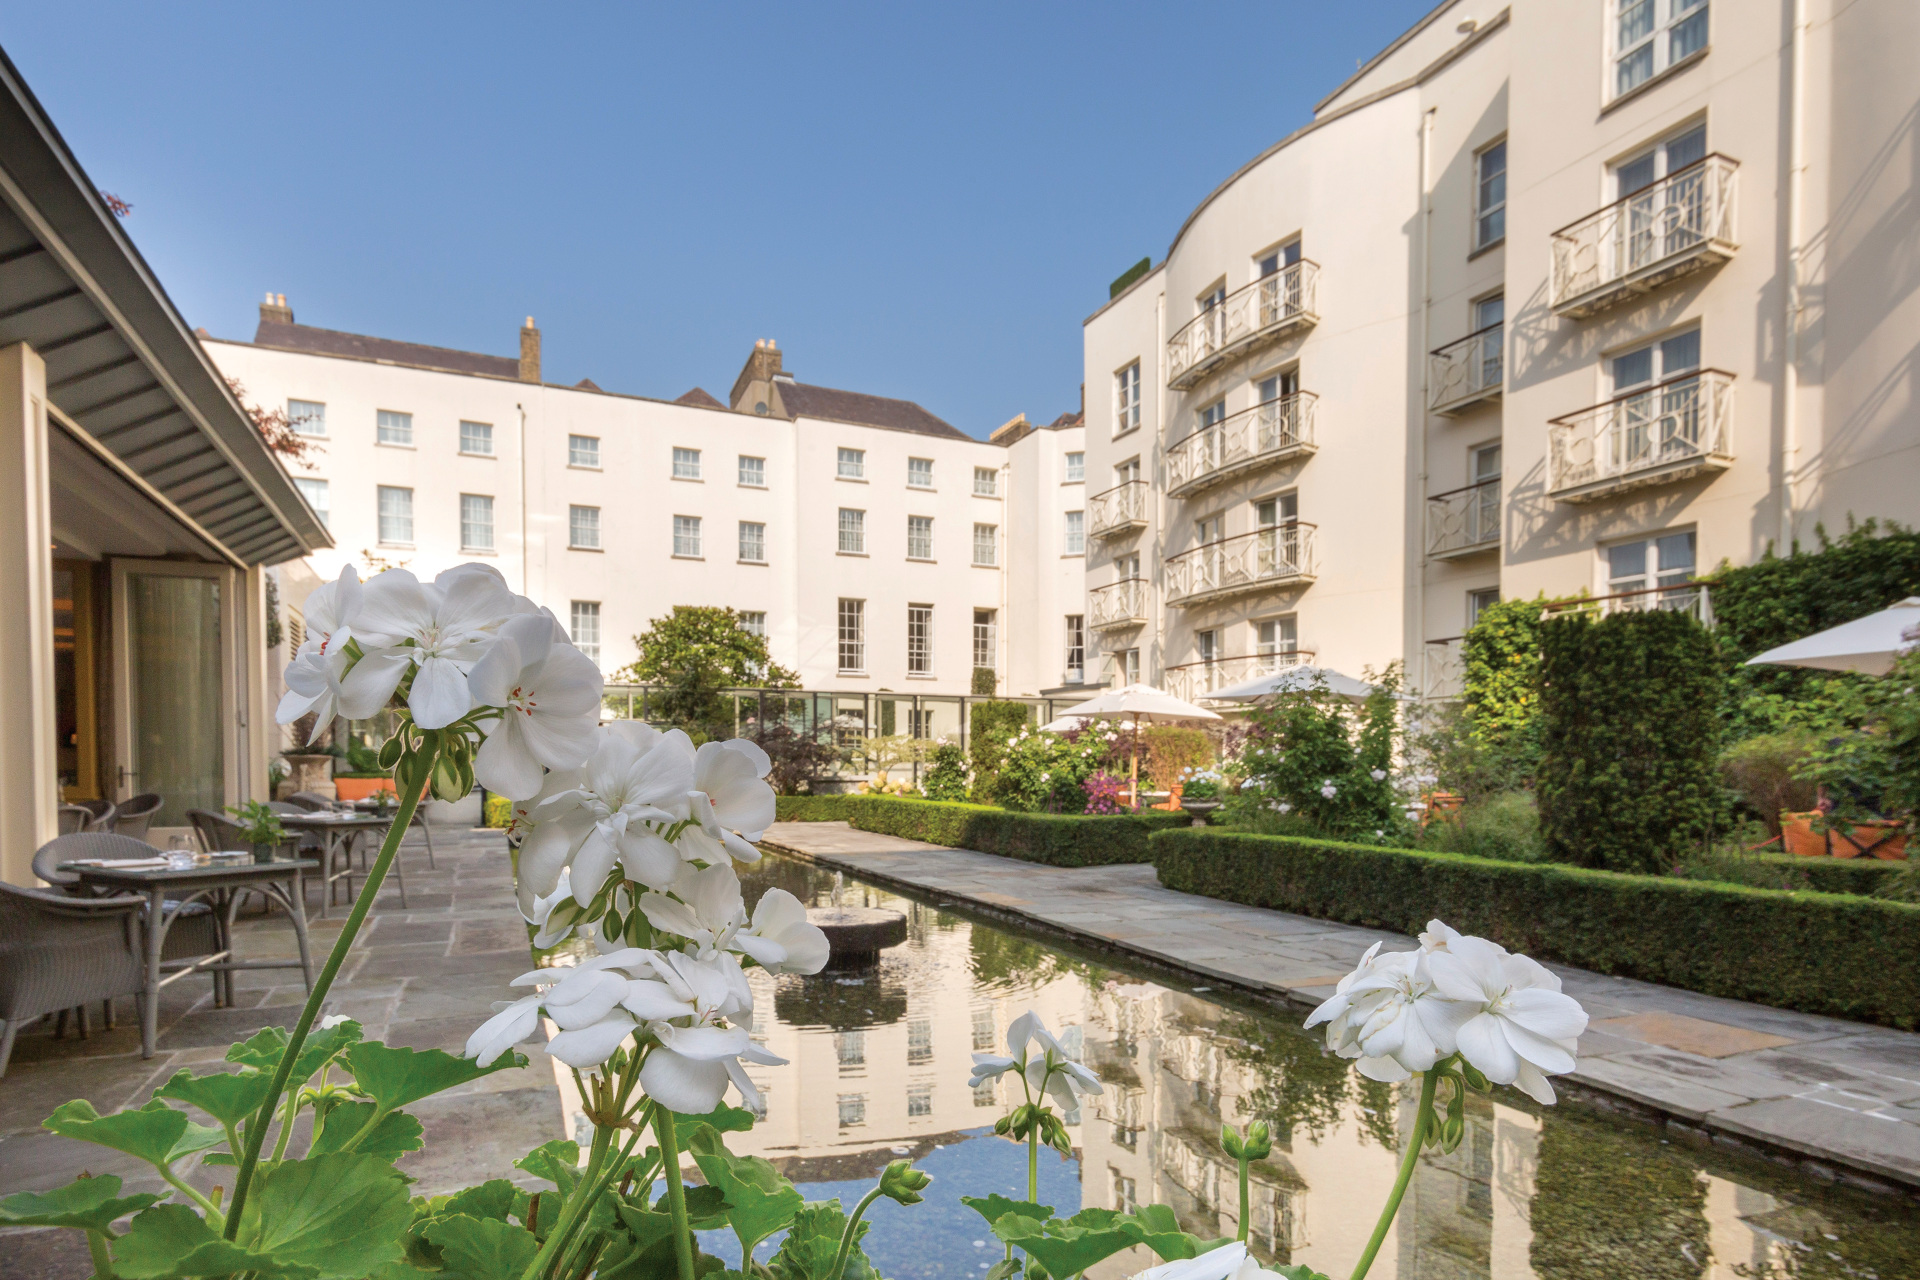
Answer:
(439, 695)
(504, 764)
(1547, 1013)
(650, 1000)
(681, 1084)
(591, 1046)
(1483, 1042)
(503, 1031)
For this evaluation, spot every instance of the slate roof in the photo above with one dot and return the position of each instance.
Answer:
(331, 342)
(805, 401)
(699, 399)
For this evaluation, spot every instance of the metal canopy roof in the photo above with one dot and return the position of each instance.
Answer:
(121, 362)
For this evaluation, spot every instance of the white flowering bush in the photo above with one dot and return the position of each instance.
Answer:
(1326, 762)
(1046, 772)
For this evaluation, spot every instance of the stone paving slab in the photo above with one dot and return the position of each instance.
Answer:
(1843, 1095)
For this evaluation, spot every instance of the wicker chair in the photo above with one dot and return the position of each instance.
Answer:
(195, 931)
(75, 818)
(59, 952)
(134, 815)
(311, 801)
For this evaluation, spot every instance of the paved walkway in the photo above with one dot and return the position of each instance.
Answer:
(423, 977)
(1842, 1097)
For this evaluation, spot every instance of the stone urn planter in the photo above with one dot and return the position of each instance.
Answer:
(1199, 809)
(308, 772)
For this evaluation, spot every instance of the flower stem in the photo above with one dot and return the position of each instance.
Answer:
(310, 1013)
(676, 1194)
(846, 1237)
(1415, 1141)
(102, 1258)
(1245, 1202)
(1033, 1164)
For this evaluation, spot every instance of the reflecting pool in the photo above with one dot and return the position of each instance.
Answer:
(878, 1064)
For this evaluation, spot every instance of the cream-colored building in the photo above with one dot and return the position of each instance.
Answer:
(1577, 295)
(869, 540)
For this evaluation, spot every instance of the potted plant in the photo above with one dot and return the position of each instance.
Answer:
(261, 827)
(1200, 792)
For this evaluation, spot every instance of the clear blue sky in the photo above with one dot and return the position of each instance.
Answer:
(915, 201)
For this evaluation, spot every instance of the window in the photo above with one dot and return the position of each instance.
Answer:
(1126, 1193)
(1207, 644)
(686, 536)
(753, 472)
(986, 541)
(308, 417)
(1478, 603)
(1284, 509)
(584, 628)
(476, 437)
(396, 515)
(850, 1048)
(583, 528)
(853, 464)
(1129, 664)
(753, 542)
(853, 636)
(1660, 361)
(919, 1041)
(1651, 35)
(1285, 256)
(919, 537)
(1665, 205)
(686, 464)
(986, 639)
(476, 522)
(318, 497)
(1275, 636)
(583, 451)
(986, 482)
(985, 1093)
(1126, 399)
(920, 473)
(1127, 472)
(983, 1030)
(1076, 666)
(395, 428)
(1076, 468)
(1646, 564)
(754, 623)
(853, 532)
(1490, 195)
(853, 1109)
(1076, 533)
(919, 639)
(919, 1096)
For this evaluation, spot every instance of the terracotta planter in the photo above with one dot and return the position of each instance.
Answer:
(361, 788)
(1876, 838)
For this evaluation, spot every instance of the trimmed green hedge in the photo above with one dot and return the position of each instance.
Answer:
(1822, 953)
(1862, 876)
(1057, 839)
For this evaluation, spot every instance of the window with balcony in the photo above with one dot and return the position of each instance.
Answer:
(1659, 569)
(396, 516)
(1076, 533)
(853, 637)
(1273, 262)
(1076, 635)
(583, 451)
(583, 528)
(986, 482)
(919, 537)
(1490, 195)
(853, 532)
(986, 544)
(686, 537)
(919, 473)
(1655, 362)
(852, 464)
(476, 438)
(1126, 399)
(686, 464)
(753, 471)
(584, 628)
(919, 639)
(476, 522)
(986, 639)
(1127, 472)
(1651, 35)
(318, 496)
(1076, 468)
(395, 428)
(753, 542)
(308, 417)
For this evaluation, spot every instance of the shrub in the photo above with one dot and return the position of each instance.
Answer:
(1862, 877)
(1822, 953)
(946, 777)
(989, 726)
(693, 653)
(1504, 826)
(797, 757)
(1103, 792)
(498, 812)
(1501, 690)
(1057, 839)
(1314, 755)
(1171, 751)
(986, 682)
(1767, 773)
(1043, 772)
(1629, 737)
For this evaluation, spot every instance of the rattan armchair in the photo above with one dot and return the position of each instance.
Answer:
(59, 952)
(133, 816)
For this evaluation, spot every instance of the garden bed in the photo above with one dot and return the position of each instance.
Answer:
(1056, 839)
(1846, 956)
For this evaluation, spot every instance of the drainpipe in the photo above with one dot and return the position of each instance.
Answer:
(1790, 318)
(526, 552)
(1426, 366)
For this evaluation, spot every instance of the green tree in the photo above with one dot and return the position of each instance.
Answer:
(695, 652)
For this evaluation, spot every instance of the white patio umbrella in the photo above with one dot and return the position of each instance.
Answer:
(1140, 702)
(1867, 645)
(1293, 680)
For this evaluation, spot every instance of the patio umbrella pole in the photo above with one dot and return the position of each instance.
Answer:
(416, 784)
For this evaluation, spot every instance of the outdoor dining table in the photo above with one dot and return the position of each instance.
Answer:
(341, 831)
(169, 891)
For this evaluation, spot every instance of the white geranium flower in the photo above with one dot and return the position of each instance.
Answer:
(730, 801)
(780, 925)
(1051, 1066)
(444, 628)
(318, 678)
(1378, 775)
(1525, 1029)
(550, 693)
(1228, 1262)
(689, 1069)
(635, 776)
(1387, 1014)
(1328, 790)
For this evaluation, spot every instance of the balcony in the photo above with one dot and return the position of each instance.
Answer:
(1464, 373)
(1118, 604)
(1119, 510)
(1194, 681)
(1276, 556)
(1670, 228)
(1442, 669)
(1268, 433)
(1669, 432)
(1249, 317)
(1688, 597)
(1463, 522)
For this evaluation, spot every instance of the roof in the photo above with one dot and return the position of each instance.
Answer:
(804, 401)
(1074, 419)
(332, 342)
(699, 398)
(125, 376)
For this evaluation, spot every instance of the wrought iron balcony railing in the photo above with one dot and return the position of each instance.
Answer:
(1466, 372)
(1276, 556)
(1269, 432)
(1666, 229)
(1118, 510)
(1690, 597)
(1250, 316)
(1666, 433)
(1118, 604)
(1463, 521)
(1194, 681)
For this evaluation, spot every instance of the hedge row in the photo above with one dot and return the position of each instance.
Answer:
(1849, 957)
(1863, 876)
(1057, 839)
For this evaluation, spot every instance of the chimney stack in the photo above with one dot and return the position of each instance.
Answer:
(275, 310)
(756, 376)
(529, 352)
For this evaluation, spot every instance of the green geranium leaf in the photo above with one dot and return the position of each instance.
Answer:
(172, 1240)
(706, 1207)
(230, 1099)
(395, 1135)
(482, 1248)
(89, 1204)
(722, 1118)
(148, 1134)
(264, 1047)
(557, 1161)
(1155, 1226)
(995, 1206)
(813, 1242)
(1070, 1247)
(395, 1077)
(759, 1200)
(492, 1200)
(342, 1215)
(1300, 1271)
(647, 1252)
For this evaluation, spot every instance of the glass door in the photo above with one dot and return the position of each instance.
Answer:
(172, 681)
